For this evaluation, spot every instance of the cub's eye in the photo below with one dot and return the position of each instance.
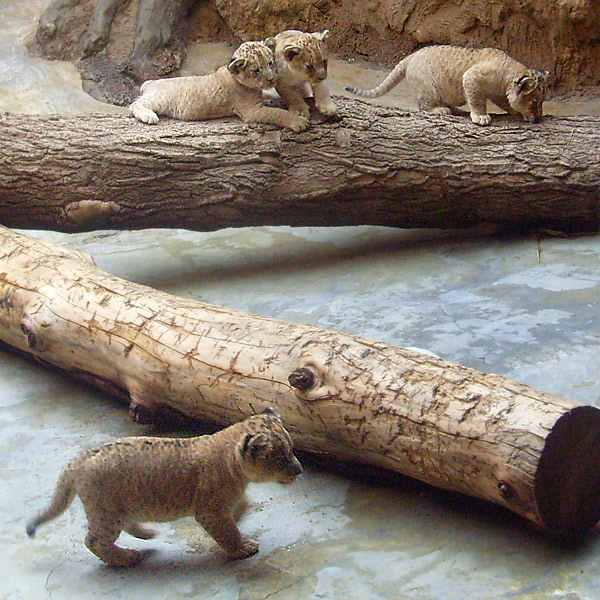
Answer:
(310, 68)
(256, 71)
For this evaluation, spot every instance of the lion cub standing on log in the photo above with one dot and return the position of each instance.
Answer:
(301, 60)
(160, 479)
(234, 89)
(446, 77)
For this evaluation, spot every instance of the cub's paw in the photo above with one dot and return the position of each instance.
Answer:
(247, 548)
(327, 110)
(126, 558)
(298, 123)
(303, 111)
(149, 118)
(145, 115)
(441, 110)
(481, 119)
(143, 532)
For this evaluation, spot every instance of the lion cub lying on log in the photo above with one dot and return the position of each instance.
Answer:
(446, 77)
(234, 89)
(160, 479)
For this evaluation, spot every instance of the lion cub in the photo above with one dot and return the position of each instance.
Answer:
(446, 77)
(301, 60)
(136, 479)
(234, 89)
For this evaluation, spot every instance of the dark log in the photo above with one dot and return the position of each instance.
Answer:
(378, 166)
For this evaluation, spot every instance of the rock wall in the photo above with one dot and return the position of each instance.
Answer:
(562, 36)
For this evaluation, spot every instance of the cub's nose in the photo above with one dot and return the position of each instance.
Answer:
(321, 74)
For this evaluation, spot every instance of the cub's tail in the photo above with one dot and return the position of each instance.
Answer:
(63, 496)
(391, 81)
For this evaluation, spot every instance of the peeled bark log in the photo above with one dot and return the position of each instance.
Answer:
(378, 166)
(340, 395)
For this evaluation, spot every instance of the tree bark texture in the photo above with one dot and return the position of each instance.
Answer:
(378, 166)
(340, 395)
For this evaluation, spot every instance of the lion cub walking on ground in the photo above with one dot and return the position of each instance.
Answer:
(136, 479)
(301, 60)
(234, 89)
(447, 77)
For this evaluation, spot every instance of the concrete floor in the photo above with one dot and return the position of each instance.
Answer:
(479, 299)
(476, 298)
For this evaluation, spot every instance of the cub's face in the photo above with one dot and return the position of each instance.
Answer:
(253, 64)
(266, 450)
(305, 55)
(528, 93)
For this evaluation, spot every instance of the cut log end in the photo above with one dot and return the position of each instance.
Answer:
(567, 481)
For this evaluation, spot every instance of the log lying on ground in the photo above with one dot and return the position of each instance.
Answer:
(378, 166)
(340, 396)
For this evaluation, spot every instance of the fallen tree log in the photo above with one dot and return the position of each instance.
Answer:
(378, 166)
(341, 396)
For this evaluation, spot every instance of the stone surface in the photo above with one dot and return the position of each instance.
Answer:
(480, 299)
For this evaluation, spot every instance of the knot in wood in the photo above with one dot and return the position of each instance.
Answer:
(506, 490)
(302, 379)
(31, 340)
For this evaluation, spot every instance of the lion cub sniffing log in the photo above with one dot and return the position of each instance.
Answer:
(447, 77)
(301, 60)
(136, 479)
(234, 89)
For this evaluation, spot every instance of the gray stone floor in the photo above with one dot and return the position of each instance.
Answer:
(473, 297)
(476, 298)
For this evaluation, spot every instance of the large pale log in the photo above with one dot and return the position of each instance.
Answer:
(341, 396)
(378, 166)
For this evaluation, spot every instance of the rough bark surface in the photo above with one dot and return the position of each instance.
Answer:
(147, 38)
(340, 395)
(378, 167)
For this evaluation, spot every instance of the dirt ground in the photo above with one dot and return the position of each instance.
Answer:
(557, 35)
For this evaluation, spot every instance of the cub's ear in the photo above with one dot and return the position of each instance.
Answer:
(525, 84)
(321, 35)
(270, 43)
(290, 51)
(253, 445)
(236, 65)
